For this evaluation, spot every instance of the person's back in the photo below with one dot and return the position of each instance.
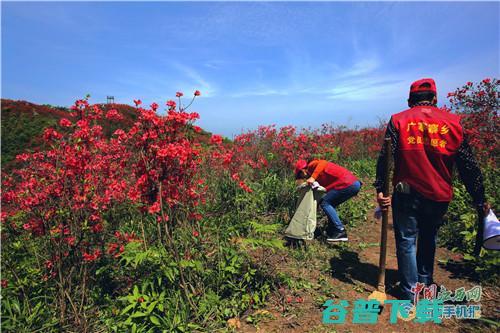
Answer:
(426, 144)
(330, 175)
(428, 141)
(340, 185)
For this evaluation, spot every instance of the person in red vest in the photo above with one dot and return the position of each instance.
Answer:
(427, 142)
(340, 185)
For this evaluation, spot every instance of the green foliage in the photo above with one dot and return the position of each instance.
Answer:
(149, 309)
(459, 233)
(20, 316)
(363, 168)
(25, 298)
(20, 130)
(258, 237)
(356, 210)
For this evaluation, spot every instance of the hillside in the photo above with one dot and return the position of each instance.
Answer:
(23, 124)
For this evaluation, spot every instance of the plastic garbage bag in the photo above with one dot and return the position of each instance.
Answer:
(491, 234)
(303, 223)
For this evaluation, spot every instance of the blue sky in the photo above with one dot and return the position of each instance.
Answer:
(302, 64)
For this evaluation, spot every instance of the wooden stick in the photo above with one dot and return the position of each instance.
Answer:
(385, 217)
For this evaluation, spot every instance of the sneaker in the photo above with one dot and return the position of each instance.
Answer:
(339, 236)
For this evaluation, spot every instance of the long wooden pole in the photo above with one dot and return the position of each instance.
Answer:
(385, 217)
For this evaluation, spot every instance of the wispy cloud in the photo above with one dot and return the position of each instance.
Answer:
(363, 67)
(195, 80)
(261, 92)
(362, 80)
(366, 89)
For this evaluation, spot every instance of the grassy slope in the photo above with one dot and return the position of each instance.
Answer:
(23, 124)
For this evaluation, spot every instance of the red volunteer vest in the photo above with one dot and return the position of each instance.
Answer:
(428, 140)
(334, 177)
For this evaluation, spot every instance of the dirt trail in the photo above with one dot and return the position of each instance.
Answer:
(349, 272)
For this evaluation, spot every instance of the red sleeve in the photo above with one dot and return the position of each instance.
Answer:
(318, 166)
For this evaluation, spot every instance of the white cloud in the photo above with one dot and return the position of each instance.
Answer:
(367, 89)
(261, 92)
(363, 67)
(196, 80)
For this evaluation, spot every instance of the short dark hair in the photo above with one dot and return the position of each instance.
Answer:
(301, 174)
(420, 96)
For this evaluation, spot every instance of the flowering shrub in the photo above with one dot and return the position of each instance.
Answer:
(64, 197)
(277, 150)
(61, 197)
(164, 163)
(479, 104)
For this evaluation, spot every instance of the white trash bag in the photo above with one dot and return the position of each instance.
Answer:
(491, 234)
(303, 223)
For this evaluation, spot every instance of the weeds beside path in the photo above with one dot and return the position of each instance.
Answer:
(348, 271)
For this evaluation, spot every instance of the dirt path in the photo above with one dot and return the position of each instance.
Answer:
(349, 272)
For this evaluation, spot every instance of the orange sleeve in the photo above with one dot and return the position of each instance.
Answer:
(319, 166)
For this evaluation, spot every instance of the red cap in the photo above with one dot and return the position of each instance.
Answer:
(423, 85)
(301, 164)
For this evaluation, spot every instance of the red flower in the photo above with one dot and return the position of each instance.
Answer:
(216, 139)
(70, 240)
(137, 102)
(65, 122)
(23, 157)
(245, 187)
(51, 134)
(179, 94)
(96, 228)
(197, 93)
(155, 208)
(92, 257)
(112, 248)
(113, 115)
(171, 104)
(4, 283)
(49, 264)
(196, 233)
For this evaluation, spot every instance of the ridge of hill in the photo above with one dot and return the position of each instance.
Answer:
(23, 124)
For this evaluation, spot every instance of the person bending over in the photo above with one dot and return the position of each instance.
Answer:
(341, 185)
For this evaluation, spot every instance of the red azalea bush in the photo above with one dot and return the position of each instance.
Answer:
(63, 198)
(252, 157)
(479, 104)
(277, 150)
(164, 164)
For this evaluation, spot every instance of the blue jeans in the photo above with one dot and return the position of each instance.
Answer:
(332, 199)
(414, 215)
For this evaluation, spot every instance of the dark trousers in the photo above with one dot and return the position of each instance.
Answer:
(415, 217)
(332, 199)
